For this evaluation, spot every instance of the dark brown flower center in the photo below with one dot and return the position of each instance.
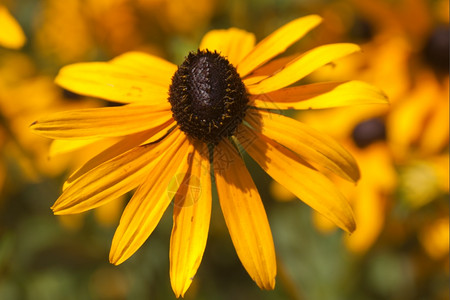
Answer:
(208, 97)
(369, 132)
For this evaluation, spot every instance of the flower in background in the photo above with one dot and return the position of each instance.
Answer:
(180, 16)
(407, 56)
(11, 35)
(179, 122)
(364, 135)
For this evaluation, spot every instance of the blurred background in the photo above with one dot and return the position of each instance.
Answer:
(401, 247)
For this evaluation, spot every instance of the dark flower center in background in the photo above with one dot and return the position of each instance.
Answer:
(368, 132)
(208, 97)
(436, 50)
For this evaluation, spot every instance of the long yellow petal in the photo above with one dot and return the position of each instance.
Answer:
(65, 146)
(191, 216)
(125, 144)
(277, 43)
(11, 34)
(244, 215)
(267, 70)
(303, 66)
(232, 43)
(149, 202)
(112, 82)
(307, 184)
(113, 178)
(156, 69)
(102, 122)
(321, 95)
(315, 147)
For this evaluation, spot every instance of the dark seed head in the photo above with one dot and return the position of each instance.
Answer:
(368, 132)
(208, 97)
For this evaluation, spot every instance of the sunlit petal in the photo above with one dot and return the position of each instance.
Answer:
(244, 215)
(277, 43)
(191, 216)
(102, 122)
(315, 147)
(302, 66)
(156, 70)
(112, 82)
(231, 43)
(125, 144)
(149, 202)
(113, 178)
(307, 184)
(321, 95)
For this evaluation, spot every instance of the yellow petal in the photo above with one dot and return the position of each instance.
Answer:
(321, 95)
(113, 178)
(303, 66)
(370, 214)
(244, 215)
(125, 144)
(267, 70)
(315, 147)
(11, 34)
(156, 69)
(64, 146)
(149, 202)
(102, 122)
(232, 43)
(307, 184)
(191, 216)
(277, 43)
(113, 82)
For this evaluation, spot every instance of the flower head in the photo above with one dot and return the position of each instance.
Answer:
(189, 119)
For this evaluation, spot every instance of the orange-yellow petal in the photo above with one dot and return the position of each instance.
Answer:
(112, 178)
(11, 34)
(315, 147)
(321, 95)
(277, 43)
(102, 122)
(123, 145)
(370, 214)
(267, 70)
(64, 146)
(306, 183)
(150, 201)
(232, 43)
(302, 66)
(244, 215)
(191, 216)
(156, 69)
(113, 82)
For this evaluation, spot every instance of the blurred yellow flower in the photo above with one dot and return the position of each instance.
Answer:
(62, 32)
(435, 238)
(188, 119)
(416, 125)
(183, 16)
(11, 34)
(362, 131)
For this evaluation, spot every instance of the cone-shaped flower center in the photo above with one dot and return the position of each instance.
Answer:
(208, 97)
(368, 132)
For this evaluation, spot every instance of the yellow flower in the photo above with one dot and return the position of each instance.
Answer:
(220, 99)
(11, 35)
(362, 131)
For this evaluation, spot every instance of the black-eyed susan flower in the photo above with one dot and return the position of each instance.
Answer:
(192, 119)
